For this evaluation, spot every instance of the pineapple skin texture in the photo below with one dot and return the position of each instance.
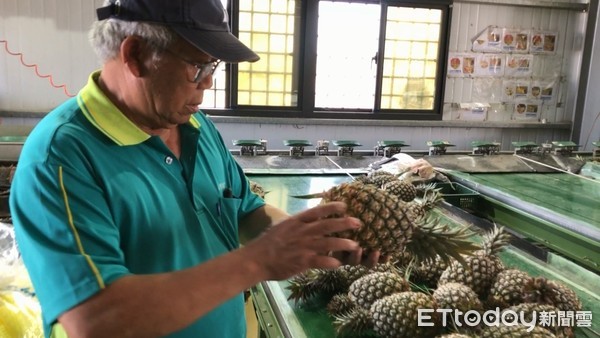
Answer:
(508, 287)
(516, 331)
(457, 296)
(369, 288)
(388, 223)
(396, 316)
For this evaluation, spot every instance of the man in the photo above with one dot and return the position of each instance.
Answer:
(127, 204)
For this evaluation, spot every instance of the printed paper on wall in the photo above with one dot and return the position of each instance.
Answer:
(518, 65)
(489, 65)
(461, 64)
(488, 40)
(543, 42)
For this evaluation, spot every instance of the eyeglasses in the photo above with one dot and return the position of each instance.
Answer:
(200, 70)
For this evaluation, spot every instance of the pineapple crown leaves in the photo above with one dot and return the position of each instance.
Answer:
(301, 288)
(314, 283)
(309, 196)
(354, 323)
(340, 305)
(431, 239)
(494, 241)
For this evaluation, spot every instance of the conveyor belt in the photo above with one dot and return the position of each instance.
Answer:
(560, 211)
(284, 318)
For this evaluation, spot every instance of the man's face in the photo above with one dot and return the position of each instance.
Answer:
(170, 91)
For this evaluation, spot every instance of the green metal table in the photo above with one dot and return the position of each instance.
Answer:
(279, 317)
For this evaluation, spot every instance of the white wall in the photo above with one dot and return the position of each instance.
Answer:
(53, 35)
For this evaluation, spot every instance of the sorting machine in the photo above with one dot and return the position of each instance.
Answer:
(536, 193)
(552, 212)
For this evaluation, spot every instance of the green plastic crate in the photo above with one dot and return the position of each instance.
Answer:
(459, 195)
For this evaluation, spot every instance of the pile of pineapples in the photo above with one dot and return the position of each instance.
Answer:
(431, 267)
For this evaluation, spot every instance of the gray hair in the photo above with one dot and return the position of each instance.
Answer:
(106, 36)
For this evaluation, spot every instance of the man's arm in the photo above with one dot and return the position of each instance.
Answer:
(260, 220)
(159, 304)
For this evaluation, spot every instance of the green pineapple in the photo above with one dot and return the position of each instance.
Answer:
(315, 283)
(428, 272)
(529, 310)
(340, 304)
(379, 178)
(371, 287)
(456, 296)
(544, 291)
(480, 269)
(325, 283)
(404, 190)
(508, 288)
(396, 316)
(353, 324)
(390, 226)
(515, 331)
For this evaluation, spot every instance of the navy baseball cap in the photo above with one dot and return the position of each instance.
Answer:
(203, 23)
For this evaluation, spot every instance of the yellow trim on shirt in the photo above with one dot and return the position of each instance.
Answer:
(76, 234)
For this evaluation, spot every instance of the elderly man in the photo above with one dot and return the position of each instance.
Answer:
(127, 205)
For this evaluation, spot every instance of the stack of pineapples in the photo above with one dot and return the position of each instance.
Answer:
(432, 267)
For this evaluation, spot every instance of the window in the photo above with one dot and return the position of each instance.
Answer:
(334, 59)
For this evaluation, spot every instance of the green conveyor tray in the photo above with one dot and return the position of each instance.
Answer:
(247, 143)
(524, 144)
(559, 210)
(392, 143)
(438, 143)
(346, 143)
(297, 143)
(280, 317)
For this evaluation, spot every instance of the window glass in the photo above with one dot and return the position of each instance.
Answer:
(410, 58)
(334, 59)
(347, 43)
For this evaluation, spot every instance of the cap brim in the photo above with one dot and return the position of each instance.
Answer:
(220, 45)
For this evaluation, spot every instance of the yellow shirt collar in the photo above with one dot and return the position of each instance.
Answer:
(105, 116)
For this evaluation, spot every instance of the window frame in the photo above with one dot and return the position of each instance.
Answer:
(306, 38)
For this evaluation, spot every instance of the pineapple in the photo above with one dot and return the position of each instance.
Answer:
(404, 190)
(544, 291)
(480, 269)
(515, 331)
(428, 272)
(379, 178)
(369, 288)
(303, 287)
(427, 202)
(329, 282)
(507, 289)
(457, 296)
(389, 225)
(339, 305)
(529, 310)
(396, 316)
(355, 323)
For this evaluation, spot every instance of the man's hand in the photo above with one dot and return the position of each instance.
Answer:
(368, 258)
(303, 241)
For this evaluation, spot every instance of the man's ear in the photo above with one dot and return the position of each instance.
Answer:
(135, 55)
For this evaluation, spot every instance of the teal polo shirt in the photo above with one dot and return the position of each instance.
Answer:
(94, 198)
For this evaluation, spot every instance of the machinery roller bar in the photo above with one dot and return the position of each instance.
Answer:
(557, 169)
(548, 215)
